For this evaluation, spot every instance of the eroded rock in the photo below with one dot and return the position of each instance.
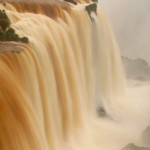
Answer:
(101, 111)
(132, 146)
(146, 136)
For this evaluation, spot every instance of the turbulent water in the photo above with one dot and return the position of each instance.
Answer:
(49, 93)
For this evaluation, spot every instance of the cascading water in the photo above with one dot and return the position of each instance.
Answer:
(49, 92)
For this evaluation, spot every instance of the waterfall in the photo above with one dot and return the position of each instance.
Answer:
(50, 90)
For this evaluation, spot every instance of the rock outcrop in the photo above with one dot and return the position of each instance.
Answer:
(146, 136)
(136, 69)
(132, 146)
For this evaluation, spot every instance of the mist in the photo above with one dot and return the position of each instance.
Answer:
(130, 20)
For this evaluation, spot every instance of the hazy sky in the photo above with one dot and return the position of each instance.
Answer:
(131, 22)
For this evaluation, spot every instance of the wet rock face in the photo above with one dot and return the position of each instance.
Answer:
(101, 111)
(146, 136)
(132, 146)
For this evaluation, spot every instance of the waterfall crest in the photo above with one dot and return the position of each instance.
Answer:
(50, 89)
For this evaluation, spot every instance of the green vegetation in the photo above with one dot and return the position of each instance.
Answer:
(4, 24)
(95, 1)
(91, 8)
(6, 32)
(72, 1)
